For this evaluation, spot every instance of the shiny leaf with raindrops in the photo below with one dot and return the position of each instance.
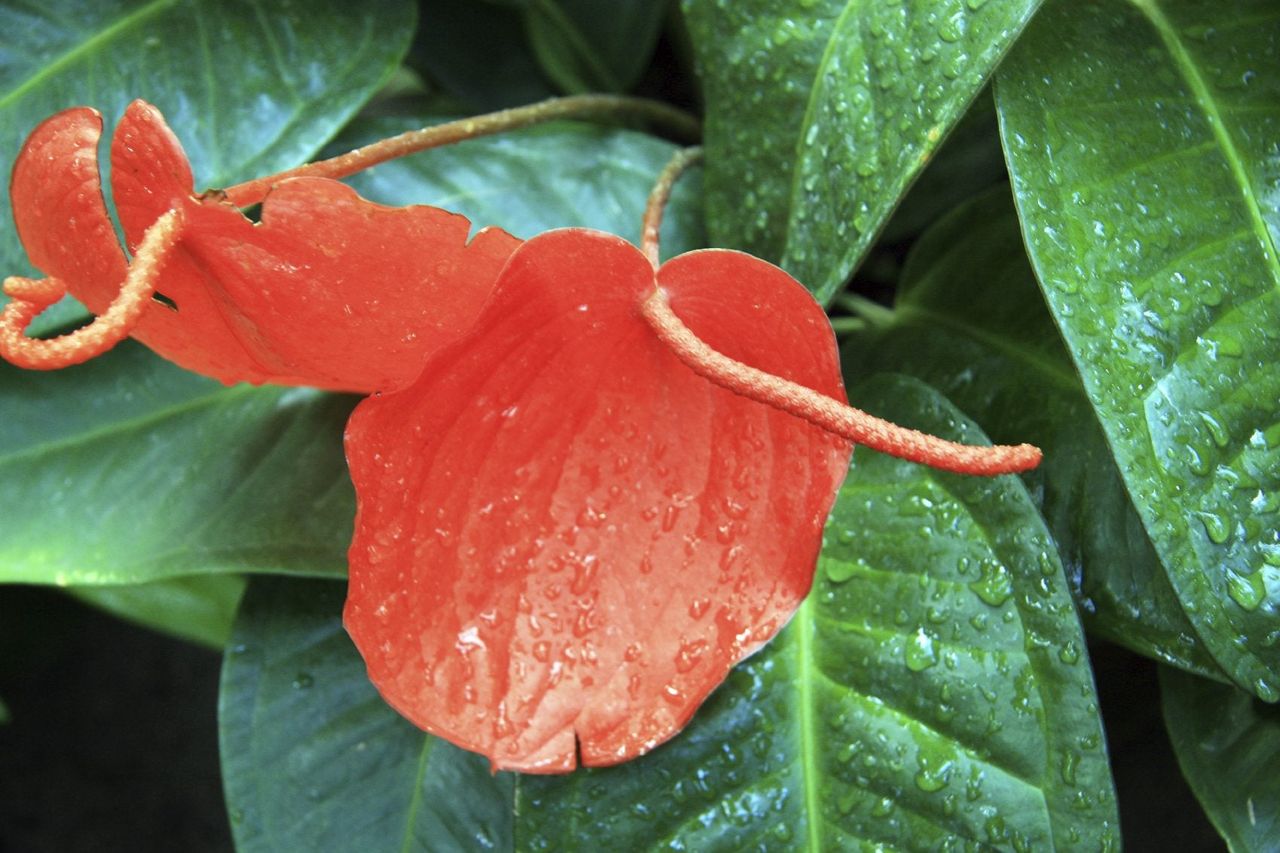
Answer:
(969, 319)
(819, 117)
(1141, 141)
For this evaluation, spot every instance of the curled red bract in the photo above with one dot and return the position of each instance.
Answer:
(327, 290)
(565, 537)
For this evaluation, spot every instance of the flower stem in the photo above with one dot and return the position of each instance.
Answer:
(659, 196)
(32, 296)
(827, 413)
(577, 106)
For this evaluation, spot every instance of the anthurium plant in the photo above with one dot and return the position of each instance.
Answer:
(701, 426)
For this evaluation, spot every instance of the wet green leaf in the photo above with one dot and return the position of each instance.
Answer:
(970, 320)
(589, 46)
(199, 608)
(819, 117)
(127, 470)
(1140, 137)
(933, 689)
(312, 759)
(249, 87)
(1228, 744)
(551, 176)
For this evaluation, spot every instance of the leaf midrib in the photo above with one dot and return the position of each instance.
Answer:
(1186, 65)
(416, 802)
(803, 627)
(80, 439)
(102, 36)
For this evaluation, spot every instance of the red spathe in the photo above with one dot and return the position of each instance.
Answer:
(563, 533)
(328, 290)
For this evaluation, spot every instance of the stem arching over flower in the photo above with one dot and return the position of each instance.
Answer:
(32, 296)
(410, 142)
(818, 409)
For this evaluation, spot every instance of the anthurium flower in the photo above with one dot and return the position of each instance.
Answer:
(588, 486)
(565, 537)
(327, 290)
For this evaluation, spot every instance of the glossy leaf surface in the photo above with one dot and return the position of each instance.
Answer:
(899, 707)
(564, 535)
(251, 87)
(533, 180)
(819, 117)
(969, 319)
(312, 758)
(199, 608)
(327, 290)
(588, 46)
(1228, 744)
(1140, 139)
(127, 470)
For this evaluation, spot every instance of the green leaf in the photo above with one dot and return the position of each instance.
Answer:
(970, 320)
(589, 46)
(479, 53)
(1228, 744)
(530, 181)
(250, 87)
(128, 470)
(968, 163)
(932, 689)
(5, 716)
(312, 759)
(199, 608)
(1141, 148)
(818, 118)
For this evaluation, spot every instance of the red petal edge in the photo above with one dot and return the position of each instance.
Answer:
(327, 290)
(59, 211)
(565, 538)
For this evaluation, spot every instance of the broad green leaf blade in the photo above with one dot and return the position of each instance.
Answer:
(128, 470)
(250, 87)
(819, 118)
(1140, 137)
(527, 182)
(931, 693)
(589, 46)
(312, 759)
(199, 608)
(970, 320)
(5, 716)
(1228, 744)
